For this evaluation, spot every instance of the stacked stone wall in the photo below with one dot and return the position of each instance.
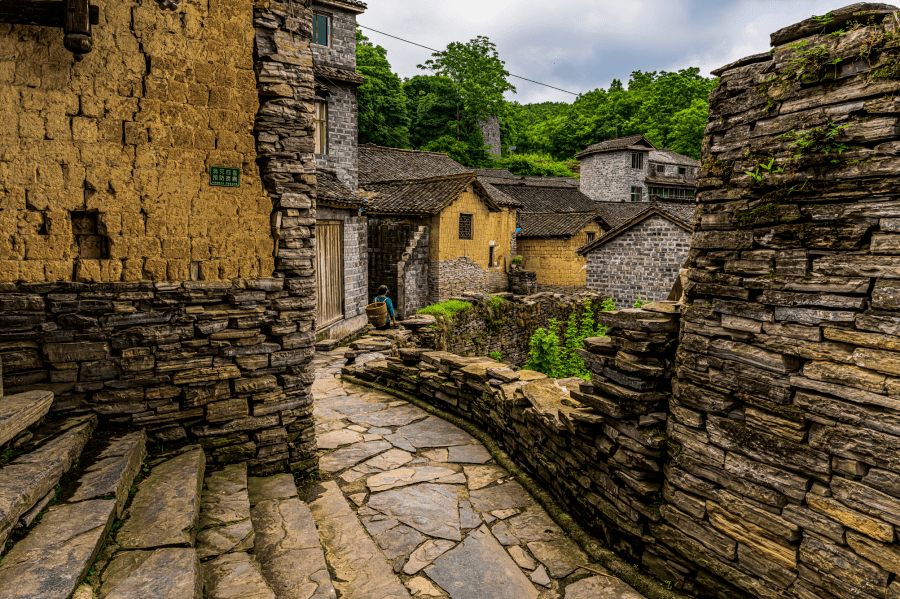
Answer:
(398, 258)
(608, 176)
(642, 262)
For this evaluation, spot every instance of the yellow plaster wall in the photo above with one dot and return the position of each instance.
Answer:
(487, 226)
(130, 133)
(554, 259)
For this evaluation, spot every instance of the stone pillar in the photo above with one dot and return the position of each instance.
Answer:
(784, 479)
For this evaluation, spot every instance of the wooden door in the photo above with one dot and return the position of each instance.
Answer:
(329, 272)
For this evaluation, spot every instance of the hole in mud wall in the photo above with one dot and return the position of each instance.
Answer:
(91, 245)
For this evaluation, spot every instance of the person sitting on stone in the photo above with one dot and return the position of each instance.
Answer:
(382, 297)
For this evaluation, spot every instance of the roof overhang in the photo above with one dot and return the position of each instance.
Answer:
(354, 7)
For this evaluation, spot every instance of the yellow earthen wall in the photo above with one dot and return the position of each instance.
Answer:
(130, 133)
(487, 226)
(554, 259)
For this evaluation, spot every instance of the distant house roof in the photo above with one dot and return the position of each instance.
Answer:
(351, 5)
(554, 224)
(680, 213)
(378, 163)
(637, 142)
(331, 192)
(336, 74)
(498, 196)
(545, 198)
(423, 196)
(619, 213)
(668, 156)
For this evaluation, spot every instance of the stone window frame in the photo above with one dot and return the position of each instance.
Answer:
(321, 126)
(637, 160)
(470, 224)
(328, 21)
(639, 192)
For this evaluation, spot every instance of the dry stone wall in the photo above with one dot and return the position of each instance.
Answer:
(784, 470)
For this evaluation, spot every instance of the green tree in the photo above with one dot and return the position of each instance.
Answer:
(431, 102)
(479, 76)
(383, 117)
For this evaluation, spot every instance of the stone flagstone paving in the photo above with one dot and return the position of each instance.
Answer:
(423, 506)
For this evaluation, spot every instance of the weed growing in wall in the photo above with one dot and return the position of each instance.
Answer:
(495, 355)
(561, 360)
(446, 310)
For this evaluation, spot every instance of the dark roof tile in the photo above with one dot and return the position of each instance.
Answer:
(377, 163)
(620, 143)
(331, 192)
(421, 196)
(554, 224)
(544, 198)
(668, 156)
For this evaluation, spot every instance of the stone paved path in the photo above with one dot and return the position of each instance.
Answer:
(416, 507)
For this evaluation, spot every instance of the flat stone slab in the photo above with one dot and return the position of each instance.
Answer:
(402, 477)
(601, 587)
(422, 587)
(219, 540)
(361, 571)
(535, 525)
(277, 486)
(235, 576)
(335, 439)
(561, 556)
(398, 416)
(49, 562)
(19, 411)
(289, 551)
(429, 508)
(350, 406)
(508, 495)
(428, 552)
(30, 477)
(479, 568)
(114, 470)
(400, 442)
(399, 541)
(481, 476)
(161, 574)
(435, 432)
(225, 498)
(166, 508)
(350, 456)
(469, 454)
(389, 460)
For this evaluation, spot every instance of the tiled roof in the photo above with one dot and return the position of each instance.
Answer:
(680, 212)
(377, 163)
(495, 173)
(335, 74)
(668, 156)
(562, 198)
(331, 192)
(421, 196)
(618, 213)
(498, 196)
(554, 224)
(620, 143)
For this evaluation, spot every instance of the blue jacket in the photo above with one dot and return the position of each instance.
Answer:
(387, 301)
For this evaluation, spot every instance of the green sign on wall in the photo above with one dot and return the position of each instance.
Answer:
(224, 176)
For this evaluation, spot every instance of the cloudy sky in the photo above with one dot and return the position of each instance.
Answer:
(579, 45)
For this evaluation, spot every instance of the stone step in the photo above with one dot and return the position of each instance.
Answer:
(18, 412)
(29, 478)
(237, 576)
(166, 508)
(286, 542)
(51, 561)
(225, 525)
(113, 470)
(170, 573)
(361, 570)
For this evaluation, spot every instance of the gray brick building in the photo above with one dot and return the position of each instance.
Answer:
(632, 169)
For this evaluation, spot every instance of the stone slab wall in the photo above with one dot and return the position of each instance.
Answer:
(608, 176)
(341, 54)
(490, 130)
(398, 258)
(644, 262)
(343, 155)
(356, 269)
(104, 166)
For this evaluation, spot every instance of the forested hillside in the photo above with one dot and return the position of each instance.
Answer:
(438, 110)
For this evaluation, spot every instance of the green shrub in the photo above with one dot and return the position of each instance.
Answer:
(495, 355)
(641, 302)
(446, 310)
(562, 361)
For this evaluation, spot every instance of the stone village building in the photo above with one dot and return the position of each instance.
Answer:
(436, 230)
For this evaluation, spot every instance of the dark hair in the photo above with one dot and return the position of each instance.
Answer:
(383, 290)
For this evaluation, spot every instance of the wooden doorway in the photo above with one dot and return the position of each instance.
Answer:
(329, 272)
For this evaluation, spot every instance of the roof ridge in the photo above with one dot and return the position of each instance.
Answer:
(471, 175)
(371, 146)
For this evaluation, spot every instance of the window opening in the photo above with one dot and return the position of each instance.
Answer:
(590, 238)
(465, 226)
(491, 256)
(682, 170)
(660, 168)
(321, 120)
(636, 194)
(321, 30)
(637, 160)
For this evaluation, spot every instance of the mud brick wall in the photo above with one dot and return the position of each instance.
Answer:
(598, 447)
(784, 478)
(104, 163)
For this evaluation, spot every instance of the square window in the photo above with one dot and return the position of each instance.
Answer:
(465, 226)
(682, 170)
(321, 30)
(637, 194)
(590, 237)
(637, 160)
(660, 168)
(321, 120)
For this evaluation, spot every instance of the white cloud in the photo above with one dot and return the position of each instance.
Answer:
(580, 45)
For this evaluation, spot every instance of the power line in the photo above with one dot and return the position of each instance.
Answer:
(435, 50)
